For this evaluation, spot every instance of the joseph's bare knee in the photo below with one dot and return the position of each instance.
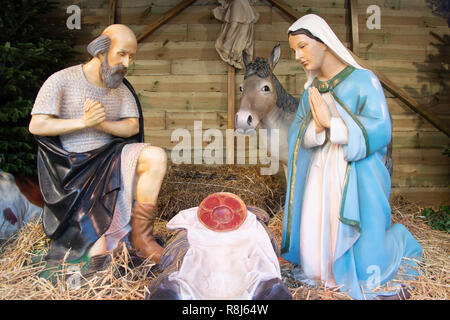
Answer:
(152, 160)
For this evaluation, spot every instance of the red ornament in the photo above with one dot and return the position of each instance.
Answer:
(222, 211)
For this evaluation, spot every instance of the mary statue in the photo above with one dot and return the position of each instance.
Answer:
(337, 219)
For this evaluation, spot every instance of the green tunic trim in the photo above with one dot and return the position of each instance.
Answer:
(287, 241)
(329, 85)
(350, 222)
(355, 118)
(325, 86)
(322, 86)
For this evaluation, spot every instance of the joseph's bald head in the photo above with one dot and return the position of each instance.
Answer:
(112, 35)
(120, 32)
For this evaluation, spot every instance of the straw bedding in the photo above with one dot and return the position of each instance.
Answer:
(184, 187)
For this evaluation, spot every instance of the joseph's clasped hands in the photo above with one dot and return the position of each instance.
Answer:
(94, 113)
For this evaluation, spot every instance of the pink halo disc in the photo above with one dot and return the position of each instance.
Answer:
(222, 212)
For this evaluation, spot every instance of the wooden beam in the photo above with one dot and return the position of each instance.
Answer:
(163, 19)
(413, 104)
(112, 11)
(280, 4)
(355, 29)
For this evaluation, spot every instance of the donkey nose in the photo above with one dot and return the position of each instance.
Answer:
(244, 121)
(249, 120)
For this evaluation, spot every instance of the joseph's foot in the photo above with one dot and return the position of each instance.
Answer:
(141, 236)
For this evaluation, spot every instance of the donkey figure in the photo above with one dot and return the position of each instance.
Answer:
(265, 103)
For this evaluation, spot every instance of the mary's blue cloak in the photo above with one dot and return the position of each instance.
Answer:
(369, 250)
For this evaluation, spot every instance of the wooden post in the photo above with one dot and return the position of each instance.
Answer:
(163, 19)
(231, 97)
(355, 29)
(112, 12)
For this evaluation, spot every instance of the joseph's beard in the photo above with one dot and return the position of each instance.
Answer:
(112, 76)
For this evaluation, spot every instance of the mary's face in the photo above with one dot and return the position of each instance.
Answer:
(309, 52)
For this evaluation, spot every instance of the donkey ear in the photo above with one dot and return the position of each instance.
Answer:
(274, 56)
(245, 59)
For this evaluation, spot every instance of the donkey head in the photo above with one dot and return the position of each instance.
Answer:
(259, 95)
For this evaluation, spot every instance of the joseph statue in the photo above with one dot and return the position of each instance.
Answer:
(99, 181)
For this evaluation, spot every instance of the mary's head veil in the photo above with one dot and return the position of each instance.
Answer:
(320, 29)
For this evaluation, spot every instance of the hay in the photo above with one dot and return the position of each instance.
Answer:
(433, 282)
(185, 186)
(19, 280)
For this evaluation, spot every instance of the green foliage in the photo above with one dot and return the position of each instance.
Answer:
(440, 8)
(438, 220)
(447, 152)
(31, 49)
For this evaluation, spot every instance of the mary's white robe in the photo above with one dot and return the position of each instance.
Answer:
(324, 186)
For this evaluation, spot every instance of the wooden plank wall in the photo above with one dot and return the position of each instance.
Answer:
(180, 77)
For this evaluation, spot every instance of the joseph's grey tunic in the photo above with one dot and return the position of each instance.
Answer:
(63, 95)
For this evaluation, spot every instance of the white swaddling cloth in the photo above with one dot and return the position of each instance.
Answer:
(223, 265)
